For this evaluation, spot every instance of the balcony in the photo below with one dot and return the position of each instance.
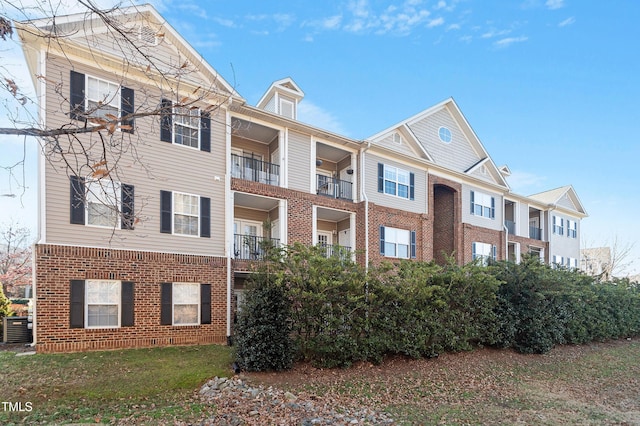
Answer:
(334, 188)
(535, 233)
(335, 250)
(251, 247)
(248, 168)
(511, 226)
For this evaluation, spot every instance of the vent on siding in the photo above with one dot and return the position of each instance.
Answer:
(148, 35)
(397, 139)
(286, 108)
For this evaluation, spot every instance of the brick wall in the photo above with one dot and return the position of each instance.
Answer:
(445, 198)
(57, 265)
(477, 234)
(401, 219)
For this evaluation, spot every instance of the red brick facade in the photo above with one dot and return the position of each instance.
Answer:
(57, 265)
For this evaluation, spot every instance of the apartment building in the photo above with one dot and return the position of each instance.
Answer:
(148, 230)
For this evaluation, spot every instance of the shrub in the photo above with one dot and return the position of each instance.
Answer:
(263, 330)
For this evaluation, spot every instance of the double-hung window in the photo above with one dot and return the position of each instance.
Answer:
(103, 303)
(185, 303)
(186, 214)
(483, 205)
(187, 127)
(572, 229)
(102, 98)
(92, 97)
(396, 181)
(484, 252)
(558, 261)
(398, 243)
(558, 225)
(101, 202)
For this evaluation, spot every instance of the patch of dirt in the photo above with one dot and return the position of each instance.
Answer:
(586, 384)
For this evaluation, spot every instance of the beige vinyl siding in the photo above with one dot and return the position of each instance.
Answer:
(247, 147)
(418, 205)
(148, 164)
(271, 105)
(403, 147)
(458, 155)
(565, 201)
(323, 225)
(299, 161)
(250, 214)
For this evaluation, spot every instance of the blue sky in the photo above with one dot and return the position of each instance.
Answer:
(551, 87)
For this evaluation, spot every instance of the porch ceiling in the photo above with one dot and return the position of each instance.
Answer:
(254, 202)
(252, 131)
(330, 153)
(332, 215)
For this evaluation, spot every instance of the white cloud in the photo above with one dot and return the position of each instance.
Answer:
(453, 27)
(525, 183)
(332, 22)
(441, 5)
(435, 22)
(495, 33)
(506, 42)
(567, 21)
(316, 116)
(554, 4)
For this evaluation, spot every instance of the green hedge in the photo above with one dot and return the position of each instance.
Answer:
(329, 311)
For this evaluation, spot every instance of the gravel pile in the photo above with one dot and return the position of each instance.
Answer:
(238, 403)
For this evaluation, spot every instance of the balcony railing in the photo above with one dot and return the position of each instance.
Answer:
(255, 170)
(335, 188)
(511, 226)
(335, 250)
(251, 247)
(535, 233)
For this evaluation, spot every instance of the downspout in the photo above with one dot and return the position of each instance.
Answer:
(363, 194)
(506, 242)
(228, 223)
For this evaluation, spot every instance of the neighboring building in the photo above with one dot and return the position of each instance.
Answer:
(596, 262)
(201, 189)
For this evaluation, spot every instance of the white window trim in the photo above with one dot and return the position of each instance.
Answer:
(174, 123)
(117, 193)
(572, 231)
(492, 249)
(282, 101)
(442, 129)
(558, 229)
(396, 243)
(483, 206)
(173, 214)
(397, 182)
(173, 304)
(86, 305)
(115, 100)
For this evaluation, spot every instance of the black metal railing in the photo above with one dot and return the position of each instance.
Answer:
(535, 233)
(335, 188)
(255, 170)
(511, 226)
(252, 247)
(335, 250)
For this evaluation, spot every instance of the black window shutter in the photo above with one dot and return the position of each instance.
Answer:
(413, 244)
(205, 132)
(380, 177)
(382, 240)
(493, 208)
(77, 200)
(472, 209)
(205, 303)
(166, 120)
(166, 201)
(128, 217)
(166, 316)
(205, 217)
(126, 310)
(76, 95)
(412, 183)
(126, 107)
(76, 307)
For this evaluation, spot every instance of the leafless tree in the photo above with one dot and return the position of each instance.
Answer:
(15, 259)
(612, 259)
(95, 137)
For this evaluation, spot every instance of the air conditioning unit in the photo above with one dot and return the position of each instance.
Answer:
(15, 330)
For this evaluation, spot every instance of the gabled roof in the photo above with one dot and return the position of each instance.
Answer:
(563, 197)
(286, 86)
(462, 123)
(34, 30)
